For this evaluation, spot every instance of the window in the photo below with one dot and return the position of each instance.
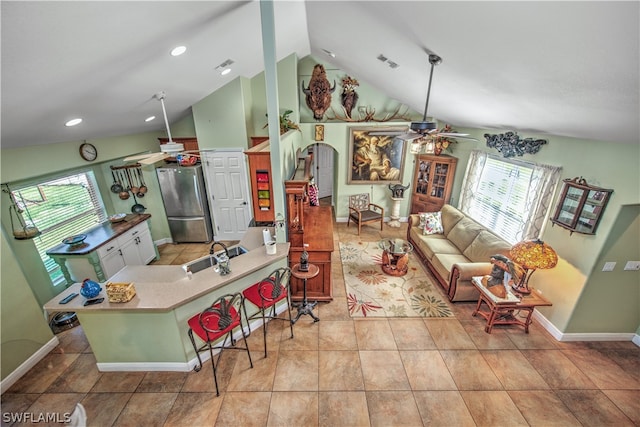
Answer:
(510, 197)
(60, 208)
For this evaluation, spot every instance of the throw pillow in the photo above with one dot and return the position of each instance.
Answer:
(433, 223)
(423, 219)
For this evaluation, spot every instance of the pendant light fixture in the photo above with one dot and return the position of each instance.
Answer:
(171, 146)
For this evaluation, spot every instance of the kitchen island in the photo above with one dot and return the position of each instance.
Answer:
(149, 332)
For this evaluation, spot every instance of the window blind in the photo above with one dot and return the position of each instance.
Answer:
(60, 207)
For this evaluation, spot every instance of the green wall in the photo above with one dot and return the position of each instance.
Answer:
(229, 116)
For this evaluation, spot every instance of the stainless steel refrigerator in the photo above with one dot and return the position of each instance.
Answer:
(185, 201)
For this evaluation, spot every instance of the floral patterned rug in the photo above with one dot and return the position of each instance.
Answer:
(372, 293)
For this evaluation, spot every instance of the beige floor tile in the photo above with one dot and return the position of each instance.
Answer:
(535, 339)
(118, 382)
(337, 335)
(305, 335)
(543, 408)
(513, 370)
(40, 377)
(80, 377)
(50, 404)
(244, 408)
(393, 408)
(146, 409)
(448, 334)
(343, 408)
(258, 378)
(104, 408)
(493, 408)
(340, 370)
(164, 382)
(290, 408)
(604, 372)
(426, 370)
(443, 409)
(274, 336)
(470, 371)
(334, 310)
(497, 339)
(411, 334)
(383, 370)
(593, 408)
(296, 371)
(627, 358)
(194, 409)
(557, 370)
(374, 334)
(628, 401)
(72, 341)
(14, 403)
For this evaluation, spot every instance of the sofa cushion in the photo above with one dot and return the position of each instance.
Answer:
(450, 217)
(443, 263)
(432, 223)
(485, 245)
(437, 244)
(464, 232)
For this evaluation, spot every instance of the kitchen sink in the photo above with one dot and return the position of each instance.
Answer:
(210, 261)
(200, 264)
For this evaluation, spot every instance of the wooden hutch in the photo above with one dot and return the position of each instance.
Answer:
(432, 182)
(308, 227)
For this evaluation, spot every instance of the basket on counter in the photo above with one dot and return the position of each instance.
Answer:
(120, 292)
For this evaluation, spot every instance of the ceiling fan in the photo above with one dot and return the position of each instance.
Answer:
(425, 129)
(170, 149)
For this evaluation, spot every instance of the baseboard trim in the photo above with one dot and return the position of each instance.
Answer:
(597, 336)
(175, 366)
(28, 364)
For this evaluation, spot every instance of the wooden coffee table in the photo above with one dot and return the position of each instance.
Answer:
(505, 311)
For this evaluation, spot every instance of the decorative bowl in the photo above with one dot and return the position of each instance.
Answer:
(74, 240)
(90, 289)
(117, 217)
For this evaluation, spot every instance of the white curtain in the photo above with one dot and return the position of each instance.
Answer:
(542, 186)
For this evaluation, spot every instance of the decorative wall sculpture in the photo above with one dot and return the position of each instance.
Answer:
(510, 144)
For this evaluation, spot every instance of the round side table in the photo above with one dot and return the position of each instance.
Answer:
(305, 307)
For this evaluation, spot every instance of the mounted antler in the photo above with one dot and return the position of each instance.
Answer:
(369, 116)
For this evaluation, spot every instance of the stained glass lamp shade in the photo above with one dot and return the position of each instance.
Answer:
(532, 255)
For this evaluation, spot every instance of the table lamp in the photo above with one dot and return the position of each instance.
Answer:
(531, 255)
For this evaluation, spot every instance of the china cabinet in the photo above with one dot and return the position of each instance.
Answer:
(580, 206)
(432, 182)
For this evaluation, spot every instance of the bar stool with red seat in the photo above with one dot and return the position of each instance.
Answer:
(266, 294)
(217, 321)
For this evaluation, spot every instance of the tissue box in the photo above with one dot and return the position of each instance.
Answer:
(120, 292)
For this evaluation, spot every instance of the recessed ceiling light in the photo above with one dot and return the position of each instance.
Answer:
(225, 71)
(73, 122)
(148, 119)
(179, 50)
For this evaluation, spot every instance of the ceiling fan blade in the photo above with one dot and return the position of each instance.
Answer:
(388, 133)
(153, 158)
(409, 136)
(451, 134)
(138, 157)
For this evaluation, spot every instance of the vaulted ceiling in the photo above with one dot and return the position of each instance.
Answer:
(544, 68)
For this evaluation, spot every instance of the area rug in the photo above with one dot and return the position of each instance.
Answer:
(372, 293)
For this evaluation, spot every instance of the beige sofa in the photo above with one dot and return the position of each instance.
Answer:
(464, 250)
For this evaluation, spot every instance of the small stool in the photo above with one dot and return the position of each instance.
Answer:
(305, 307)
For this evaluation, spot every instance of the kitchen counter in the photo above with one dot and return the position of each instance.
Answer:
(99, 235)
(149, 332)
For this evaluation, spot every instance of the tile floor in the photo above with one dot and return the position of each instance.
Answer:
(345, 372)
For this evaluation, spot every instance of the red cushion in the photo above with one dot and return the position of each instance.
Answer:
(211, 319)
(265, 287)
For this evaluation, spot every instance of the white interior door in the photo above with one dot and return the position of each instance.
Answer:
(228, 191)
(324, 170)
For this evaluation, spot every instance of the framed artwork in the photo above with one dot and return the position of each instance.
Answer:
(376, 159)
(319, 133)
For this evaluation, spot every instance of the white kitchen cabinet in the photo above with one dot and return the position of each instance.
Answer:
(133, 247)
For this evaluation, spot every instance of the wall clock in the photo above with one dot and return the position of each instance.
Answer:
(88, 152)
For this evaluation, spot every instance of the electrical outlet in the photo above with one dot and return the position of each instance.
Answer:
(609, 266)
(632, 265)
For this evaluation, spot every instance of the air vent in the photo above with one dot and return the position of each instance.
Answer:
(386, 60)
(382, 58)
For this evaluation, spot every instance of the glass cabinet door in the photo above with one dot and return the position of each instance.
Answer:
(580, 206)
(423, 176)
(439, 183)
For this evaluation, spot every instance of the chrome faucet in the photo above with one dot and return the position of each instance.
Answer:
(223, 260)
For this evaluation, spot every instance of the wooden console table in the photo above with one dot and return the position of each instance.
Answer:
(503, 311)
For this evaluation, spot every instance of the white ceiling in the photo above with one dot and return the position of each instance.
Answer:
(555, 68)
